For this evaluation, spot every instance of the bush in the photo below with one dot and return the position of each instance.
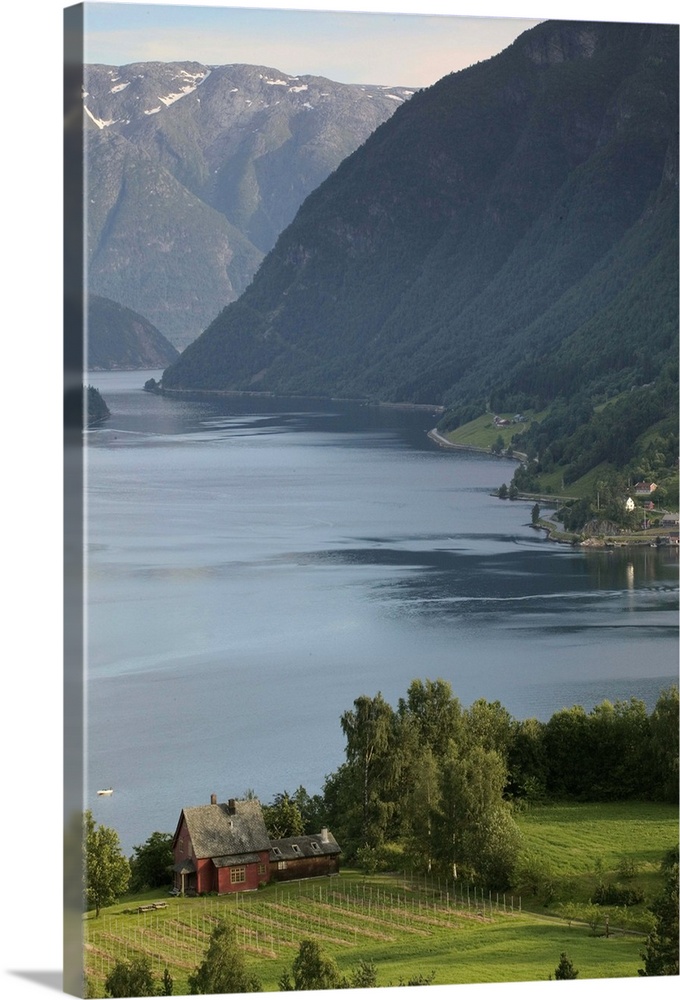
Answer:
(628, 868)
(615, 894)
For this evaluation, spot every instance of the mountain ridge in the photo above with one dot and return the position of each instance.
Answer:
(194, 170)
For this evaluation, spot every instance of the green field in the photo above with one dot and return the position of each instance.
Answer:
(482, 432)
(408, 925)
(575, 840)
(401, 925)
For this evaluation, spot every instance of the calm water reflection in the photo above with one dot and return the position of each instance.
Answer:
(256, 564)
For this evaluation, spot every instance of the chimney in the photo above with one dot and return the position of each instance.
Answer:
(232, 806)
(213, 799)
(324, 835)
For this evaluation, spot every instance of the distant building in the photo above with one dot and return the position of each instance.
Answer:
(644, 489)
(224, 847)
(670, 521)
(629, 504)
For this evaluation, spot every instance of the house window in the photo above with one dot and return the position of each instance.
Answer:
(281, 865)
(315, 847)
(238, 875)
(261, 869)
(277, 852)
(181, 844)
(296, 849)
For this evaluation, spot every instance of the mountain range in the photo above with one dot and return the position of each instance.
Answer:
(508, 238)
(194, 170)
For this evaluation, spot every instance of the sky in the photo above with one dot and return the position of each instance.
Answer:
(30, 408)
(391, 49)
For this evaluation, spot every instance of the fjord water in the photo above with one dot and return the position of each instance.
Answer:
(255, 564)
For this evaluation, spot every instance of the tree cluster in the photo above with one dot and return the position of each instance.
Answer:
(440, 781)
(135, 978)
(151, 862)
(430, 776)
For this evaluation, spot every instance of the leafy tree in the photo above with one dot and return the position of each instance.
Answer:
(132, 979)
(151, 863)
(503, 491)
(565, 969)
(107, 870)
(473, 827)
(420, 807)
(435, 712)
(363, 977)
(488, 725)
(312, 809)
(283, 818)
(368, 859)
(566, 748)
(223, 970)
(527, 767)
(311, 970)
(167, 984)
(342, 802)
(535, 514)
(664, 730)
(534, 873)
(369, 730)
(661, 954)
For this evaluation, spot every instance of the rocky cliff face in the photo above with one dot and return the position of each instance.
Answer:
(193, 171)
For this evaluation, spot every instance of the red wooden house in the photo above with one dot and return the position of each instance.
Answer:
(224, 847)
(221, 847)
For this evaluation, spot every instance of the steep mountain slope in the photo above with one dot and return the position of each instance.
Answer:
(119, 338)
(193, 171)
(511, 232)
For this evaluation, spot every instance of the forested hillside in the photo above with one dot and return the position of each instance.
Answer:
(506, 241)
(119, 338)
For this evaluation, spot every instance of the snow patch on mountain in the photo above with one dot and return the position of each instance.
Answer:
(99, 122)
(119, 86)
(171, 98)
(199, 77)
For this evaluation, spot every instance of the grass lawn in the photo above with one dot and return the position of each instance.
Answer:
(575, 839)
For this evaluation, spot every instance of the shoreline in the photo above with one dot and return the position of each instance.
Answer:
(433, 408)
(553, 532)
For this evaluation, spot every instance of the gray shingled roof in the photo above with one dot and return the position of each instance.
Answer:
(216, 832)
(185, 867)
(310, 846)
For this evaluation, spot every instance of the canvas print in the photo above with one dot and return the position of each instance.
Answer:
(379, 385)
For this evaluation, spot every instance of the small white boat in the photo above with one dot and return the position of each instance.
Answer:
(105, 791)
